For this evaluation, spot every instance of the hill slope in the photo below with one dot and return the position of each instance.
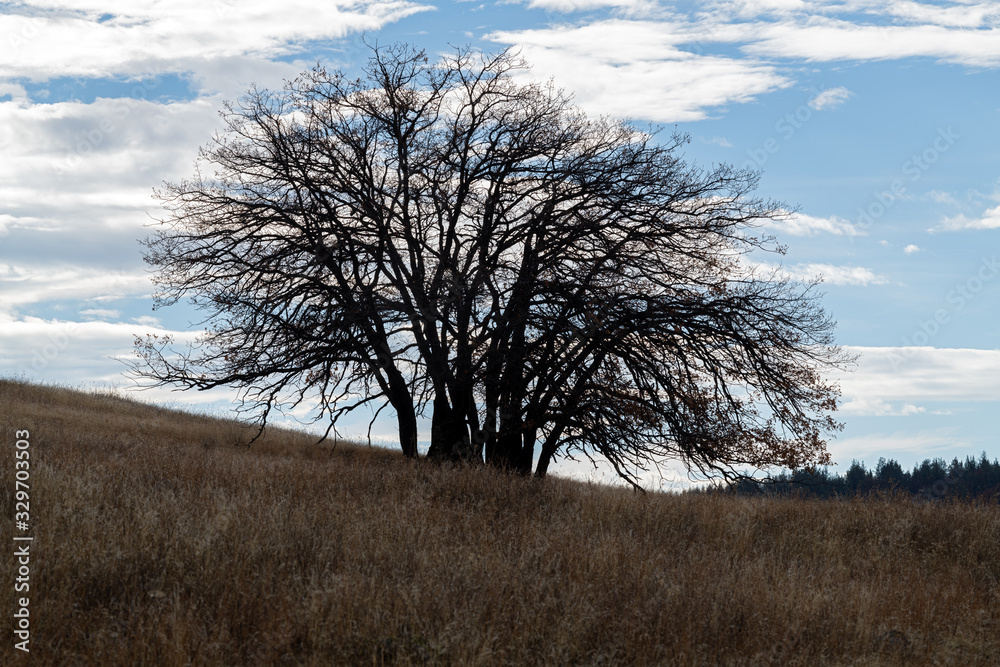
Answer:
(161, 540)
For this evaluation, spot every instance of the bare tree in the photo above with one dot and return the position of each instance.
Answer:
(441, 239)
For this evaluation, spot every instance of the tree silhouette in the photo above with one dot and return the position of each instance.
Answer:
(930, 480)
(443, 240)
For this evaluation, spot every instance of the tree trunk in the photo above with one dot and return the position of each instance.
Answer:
(407, 420)
(549, 448)
(406, 417)
(527, 453)
(508, 447)
(449, 433)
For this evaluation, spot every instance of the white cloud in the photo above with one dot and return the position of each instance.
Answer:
(719, 141)
(821, 39)
(65, 351)
(755, 8)
(911, 249)
(568, 6)
(52, 38)
(878, 407)
(902, 375)
(963, 15)
(661, 70)
(907, 447)
(830, 98)
(101, 313)
(15, 91)
(836, 275)
(75, 187)
(63, 160)
(924, 384)
(799, 224)
(939, 197)
(21, 285)
(635, 69)
(990, 219)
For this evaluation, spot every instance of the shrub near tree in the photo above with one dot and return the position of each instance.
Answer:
(440, 239)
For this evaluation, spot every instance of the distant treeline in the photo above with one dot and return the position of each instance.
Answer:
(933, 479)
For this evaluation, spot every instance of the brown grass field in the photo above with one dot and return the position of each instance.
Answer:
(159, 540)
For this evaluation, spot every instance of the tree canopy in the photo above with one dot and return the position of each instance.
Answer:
(446, 239)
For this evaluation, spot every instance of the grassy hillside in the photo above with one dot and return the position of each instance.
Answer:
(161, 540)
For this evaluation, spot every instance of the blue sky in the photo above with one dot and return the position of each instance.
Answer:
(876, 121)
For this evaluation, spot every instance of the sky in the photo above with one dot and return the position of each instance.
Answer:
(877, 122)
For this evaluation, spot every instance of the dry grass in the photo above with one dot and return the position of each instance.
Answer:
(160, 541)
